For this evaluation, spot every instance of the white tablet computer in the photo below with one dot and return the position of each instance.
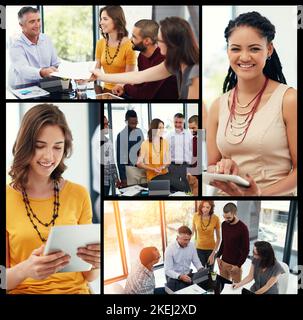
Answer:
(209, 177)
(68, 238)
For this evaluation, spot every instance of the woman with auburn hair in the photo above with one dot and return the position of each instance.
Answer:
(205, 225)
(114, 52)
(179, 46)
(37, 199)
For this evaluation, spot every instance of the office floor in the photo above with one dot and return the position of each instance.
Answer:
(160, 280)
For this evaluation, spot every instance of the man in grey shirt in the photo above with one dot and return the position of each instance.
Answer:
(32, 55)
(178, 257)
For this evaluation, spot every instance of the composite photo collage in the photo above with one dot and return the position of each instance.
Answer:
(151, 150)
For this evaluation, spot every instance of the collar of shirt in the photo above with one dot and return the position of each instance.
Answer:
(148, 272)
(178, 245)
(29, 43)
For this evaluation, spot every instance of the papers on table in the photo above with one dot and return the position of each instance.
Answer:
(131, 191)
(75, 70)
(30, 92)
(179, 194)
(193, 289)
(228, 289)
(107, 95)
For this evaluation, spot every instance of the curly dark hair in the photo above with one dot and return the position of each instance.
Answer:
(273, 67)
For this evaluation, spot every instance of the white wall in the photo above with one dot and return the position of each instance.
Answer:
(284, 18)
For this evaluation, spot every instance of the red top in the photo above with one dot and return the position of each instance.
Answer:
(162, 89)
(234, 246)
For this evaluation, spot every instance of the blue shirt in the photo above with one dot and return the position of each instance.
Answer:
(28, 58)
(178, 260)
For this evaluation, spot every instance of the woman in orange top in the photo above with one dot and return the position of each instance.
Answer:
(154, 152)
(205, 225)
(114, 52)
(38, 198)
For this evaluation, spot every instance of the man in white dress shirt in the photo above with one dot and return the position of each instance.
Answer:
(180, 141)
(178, 258)
(32, 54)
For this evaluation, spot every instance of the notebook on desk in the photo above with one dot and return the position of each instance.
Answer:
(30, 92)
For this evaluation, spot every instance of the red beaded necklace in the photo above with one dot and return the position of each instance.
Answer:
(239, 122)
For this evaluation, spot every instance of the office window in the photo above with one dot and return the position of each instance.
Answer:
(273, 223)
(118, 116)
(293, 265)
(166, 112)
(132, 15)
(177, 214)
(192, 109)
(215, 61)
(112, 252)
(135, 13)
(141, 228)
(71, 30)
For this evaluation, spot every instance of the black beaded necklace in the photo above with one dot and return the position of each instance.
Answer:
(107, 54)
(203, 226)
(32, 216)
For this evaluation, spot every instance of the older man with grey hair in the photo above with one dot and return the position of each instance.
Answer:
(32, 54)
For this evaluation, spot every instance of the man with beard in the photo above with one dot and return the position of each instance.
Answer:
(234, 247)
(144, 40)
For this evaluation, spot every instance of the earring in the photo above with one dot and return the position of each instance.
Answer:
(268, 58)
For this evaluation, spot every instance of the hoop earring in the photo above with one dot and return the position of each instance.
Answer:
(268, 58)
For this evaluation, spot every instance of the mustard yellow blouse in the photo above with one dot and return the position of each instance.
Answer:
(155, 159)
(204, 232)
(75, 208)
(126, 56)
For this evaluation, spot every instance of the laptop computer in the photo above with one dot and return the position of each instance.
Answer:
(200, 276)
(159, 187)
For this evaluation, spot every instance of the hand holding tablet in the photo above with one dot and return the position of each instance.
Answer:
(207, 178)
(69, 238)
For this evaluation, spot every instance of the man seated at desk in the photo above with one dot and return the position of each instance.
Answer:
(178, 257)
(32, 54)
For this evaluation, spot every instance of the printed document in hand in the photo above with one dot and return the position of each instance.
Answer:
(75, 70)
(30, 92)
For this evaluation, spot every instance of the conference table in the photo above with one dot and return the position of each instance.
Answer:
(209, 286)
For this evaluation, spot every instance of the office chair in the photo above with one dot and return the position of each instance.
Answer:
(283, 278)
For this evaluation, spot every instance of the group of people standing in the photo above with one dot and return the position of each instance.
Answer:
(172, 157)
